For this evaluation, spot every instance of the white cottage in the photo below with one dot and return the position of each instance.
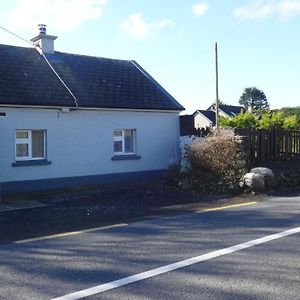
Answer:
(123, 126)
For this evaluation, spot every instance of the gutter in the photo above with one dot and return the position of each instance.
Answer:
(87, 108)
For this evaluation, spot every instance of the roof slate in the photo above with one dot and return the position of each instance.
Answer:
(26, 79)
(209, 114)
(231, 110)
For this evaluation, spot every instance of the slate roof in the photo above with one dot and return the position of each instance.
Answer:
(26, 79)
(209, 114)
(230, 110)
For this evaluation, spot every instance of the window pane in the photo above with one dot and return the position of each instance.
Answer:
(117, 132)
(129, 143)
(22, 150)
(37, 137)
(21, 134)
(117, 146)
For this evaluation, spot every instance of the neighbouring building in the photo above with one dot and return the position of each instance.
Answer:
(227, 110)
(204, 118)
(187, 125)
(207, 118)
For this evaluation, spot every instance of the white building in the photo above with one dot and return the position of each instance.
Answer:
(121, 124)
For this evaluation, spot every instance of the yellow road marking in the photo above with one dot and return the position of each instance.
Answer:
(226, 207)
(53, 236)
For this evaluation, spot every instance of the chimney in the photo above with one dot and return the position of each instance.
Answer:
(45, 41)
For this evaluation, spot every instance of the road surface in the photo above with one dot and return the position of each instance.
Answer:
(250, 251)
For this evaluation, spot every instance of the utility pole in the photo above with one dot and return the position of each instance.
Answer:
(217, 87)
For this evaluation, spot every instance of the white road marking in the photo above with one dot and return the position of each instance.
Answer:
(171, 267)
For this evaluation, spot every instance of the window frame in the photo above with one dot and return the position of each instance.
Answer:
(122, 139)
(28, 141)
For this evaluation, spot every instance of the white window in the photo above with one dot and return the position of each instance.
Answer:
(124, 141)
(30, 144)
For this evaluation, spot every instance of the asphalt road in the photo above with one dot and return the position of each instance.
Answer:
(264, 269)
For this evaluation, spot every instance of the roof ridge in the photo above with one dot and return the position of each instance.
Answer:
(68, 53)
(92, 56)
(13, 46)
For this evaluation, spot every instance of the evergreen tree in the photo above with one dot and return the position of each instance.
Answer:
(254, 99)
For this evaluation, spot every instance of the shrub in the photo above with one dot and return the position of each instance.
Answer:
(291, 123)
(271, 120)
(263, 119)
(243, 120)
(219, 156)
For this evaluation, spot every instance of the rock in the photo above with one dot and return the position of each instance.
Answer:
(254, 181)
(268, 175)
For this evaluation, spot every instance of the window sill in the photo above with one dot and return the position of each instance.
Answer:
(38, 162)
(126, 157)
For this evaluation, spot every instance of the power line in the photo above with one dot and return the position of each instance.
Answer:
(244, 20)
(182, 61)
(16, 35)
(40, 51)
(185, 60)
(60, 79)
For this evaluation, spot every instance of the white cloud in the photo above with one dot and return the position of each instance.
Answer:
(258, 9)
(59, 15)
(135, 26)
(283, 10)
(200, 9)
(289, 9)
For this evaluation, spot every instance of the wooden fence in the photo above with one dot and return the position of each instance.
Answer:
(271, 145)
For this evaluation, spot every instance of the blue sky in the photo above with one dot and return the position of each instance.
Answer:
(174, 41)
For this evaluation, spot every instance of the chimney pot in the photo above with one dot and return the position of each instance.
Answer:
(42, 28)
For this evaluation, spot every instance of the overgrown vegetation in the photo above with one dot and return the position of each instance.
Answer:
(217, 160)
(286, 118)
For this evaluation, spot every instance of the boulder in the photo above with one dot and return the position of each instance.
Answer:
(254, 181)
(268, 175)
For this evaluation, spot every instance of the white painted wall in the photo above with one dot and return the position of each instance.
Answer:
(80, 142)
(185, 143)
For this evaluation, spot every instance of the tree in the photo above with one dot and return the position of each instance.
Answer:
(254, 98)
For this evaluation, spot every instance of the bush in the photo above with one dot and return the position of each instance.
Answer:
(291, 123)
(269, 120)
(263, 119)
(218, 156)
(243, 120)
